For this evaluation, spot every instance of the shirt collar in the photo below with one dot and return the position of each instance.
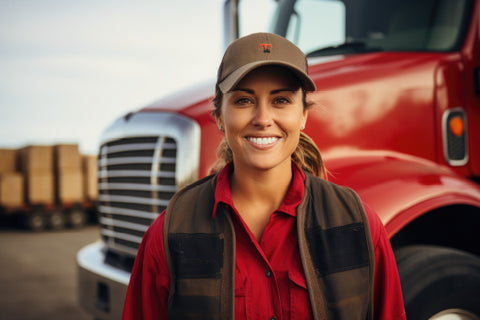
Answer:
(294, 196)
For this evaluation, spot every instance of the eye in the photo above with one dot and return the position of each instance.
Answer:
(243, 101)
(281, 100)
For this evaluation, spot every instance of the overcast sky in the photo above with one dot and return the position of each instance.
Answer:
(69, 68)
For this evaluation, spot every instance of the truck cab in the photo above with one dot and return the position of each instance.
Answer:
(395, 116)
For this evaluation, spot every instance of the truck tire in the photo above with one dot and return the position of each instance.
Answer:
(34, 221)
(76, 218)
(439, 283)
(56, 220)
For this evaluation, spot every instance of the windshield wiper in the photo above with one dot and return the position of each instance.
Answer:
(344, 48)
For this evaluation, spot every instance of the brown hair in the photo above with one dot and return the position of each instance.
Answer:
(307, 155)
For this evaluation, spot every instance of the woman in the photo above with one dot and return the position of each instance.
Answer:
(265, 238)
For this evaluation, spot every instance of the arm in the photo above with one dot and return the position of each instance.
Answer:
(147, 293)
(388, 299)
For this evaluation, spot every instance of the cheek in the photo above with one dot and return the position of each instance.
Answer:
(294, 122)
(235, 120)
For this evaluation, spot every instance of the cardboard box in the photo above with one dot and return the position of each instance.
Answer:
(8, 160)
(36, 159)
(11, 190)
(39, 188)
(90, 177)
(67, 157)
(69, 187)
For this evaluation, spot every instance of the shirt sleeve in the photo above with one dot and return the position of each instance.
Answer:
(147, 293)
(388, 299)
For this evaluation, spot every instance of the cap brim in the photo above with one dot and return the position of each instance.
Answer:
(231, 81)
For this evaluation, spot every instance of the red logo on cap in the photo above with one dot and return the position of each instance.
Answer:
(266, 47)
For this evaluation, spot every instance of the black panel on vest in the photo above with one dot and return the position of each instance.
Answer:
(196, 255)
(338, 249)
(196, 308)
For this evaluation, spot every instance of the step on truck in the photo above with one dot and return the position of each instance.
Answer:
(396, 117)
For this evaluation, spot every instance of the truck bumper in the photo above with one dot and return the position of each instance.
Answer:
(101, 287)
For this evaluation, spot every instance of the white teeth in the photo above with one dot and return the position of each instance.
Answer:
(263, 140)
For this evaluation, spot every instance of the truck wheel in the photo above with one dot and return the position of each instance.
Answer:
(34, 221)
(76, 218)
(439, 283)
(56, 220)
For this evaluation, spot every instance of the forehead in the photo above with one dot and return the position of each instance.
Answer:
(274, 76)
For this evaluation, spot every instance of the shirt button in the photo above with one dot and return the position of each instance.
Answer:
(273, 318)
(268, 274)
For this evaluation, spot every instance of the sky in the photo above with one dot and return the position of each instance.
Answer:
(69, 68)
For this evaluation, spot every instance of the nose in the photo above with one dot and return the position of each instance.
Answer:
(263, 116)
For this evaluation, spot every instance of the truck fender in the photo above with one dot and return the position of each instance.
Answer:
(400, 187)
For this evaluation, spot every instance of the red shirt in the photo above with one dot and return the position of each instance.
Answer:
(269, 279)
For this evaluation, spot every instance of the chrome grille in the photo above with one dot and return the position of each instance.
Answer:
(136, 179)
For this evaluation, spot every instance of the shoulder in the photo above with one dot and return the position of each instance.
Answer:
(329, 190)
(151, 251)
(192, 191)
(153, 237)
(376, 226)
(348, 194)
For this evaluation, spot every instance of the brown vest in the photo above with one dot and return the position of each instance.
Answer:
(334, 241)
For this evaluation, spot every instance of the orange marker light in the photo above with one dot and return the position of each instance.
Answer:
(457, 126)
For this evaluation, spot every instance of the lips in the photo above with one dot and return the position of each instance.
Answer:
(262, 140)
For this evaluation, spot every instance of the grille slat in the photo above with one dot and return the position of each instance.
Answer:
(136, 186)
(132, 160)
(122, 224)
(123, 236)
(128, 147)
(133, 173)
(128, 212)
(130, 199)
(136, 178)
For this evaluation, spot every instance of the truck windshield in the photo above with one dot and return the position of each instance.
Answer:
(327, 27)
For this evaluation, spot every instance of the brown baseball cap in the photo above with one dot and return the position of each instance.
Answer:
(260, 49)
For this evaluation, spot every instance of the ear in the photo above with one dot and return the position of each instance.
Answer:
(219, 121)
(304, 120)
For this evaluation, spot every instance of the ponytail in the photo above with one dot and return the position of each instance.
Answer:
(308, 157)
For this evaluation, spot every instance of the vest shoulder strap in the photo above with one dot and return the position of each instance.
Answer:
(200, 252)
(336, 250)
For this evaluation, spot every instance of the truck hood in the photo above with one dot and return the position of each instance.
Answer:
(410, 70)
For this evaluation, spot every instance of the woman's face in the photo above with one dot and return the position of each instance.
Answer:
(262, 118)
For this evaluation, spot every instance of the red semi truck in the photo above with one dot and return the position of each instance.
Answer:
(397, 116)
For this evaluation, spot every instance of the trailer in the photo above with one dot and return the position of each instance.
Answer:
(47, 186)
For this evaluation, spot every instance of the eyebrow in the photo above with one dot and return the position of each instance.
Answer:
(251, 91)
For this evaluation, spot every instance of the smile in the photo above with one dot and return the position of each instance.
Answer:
(262, 141)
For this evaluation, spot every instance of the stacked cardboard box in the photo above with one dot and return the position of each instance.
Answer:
(8, 160)
(90, 177)
(68, 173)
(11, 190)
(11, 182)
(36, 164)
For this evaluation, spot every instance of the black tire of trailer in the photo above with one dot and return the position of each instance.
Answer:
(34, 220)
(76, 217)
(438, 281)
(55, 219)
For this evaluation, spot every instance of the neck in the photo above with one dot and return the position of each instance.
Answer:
(257, 194)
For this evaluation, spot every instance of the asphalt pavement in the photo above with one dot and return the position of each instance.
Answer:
(38, 273)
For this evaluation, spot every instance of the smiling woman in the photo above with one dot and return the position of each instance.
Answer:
(265, 237)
